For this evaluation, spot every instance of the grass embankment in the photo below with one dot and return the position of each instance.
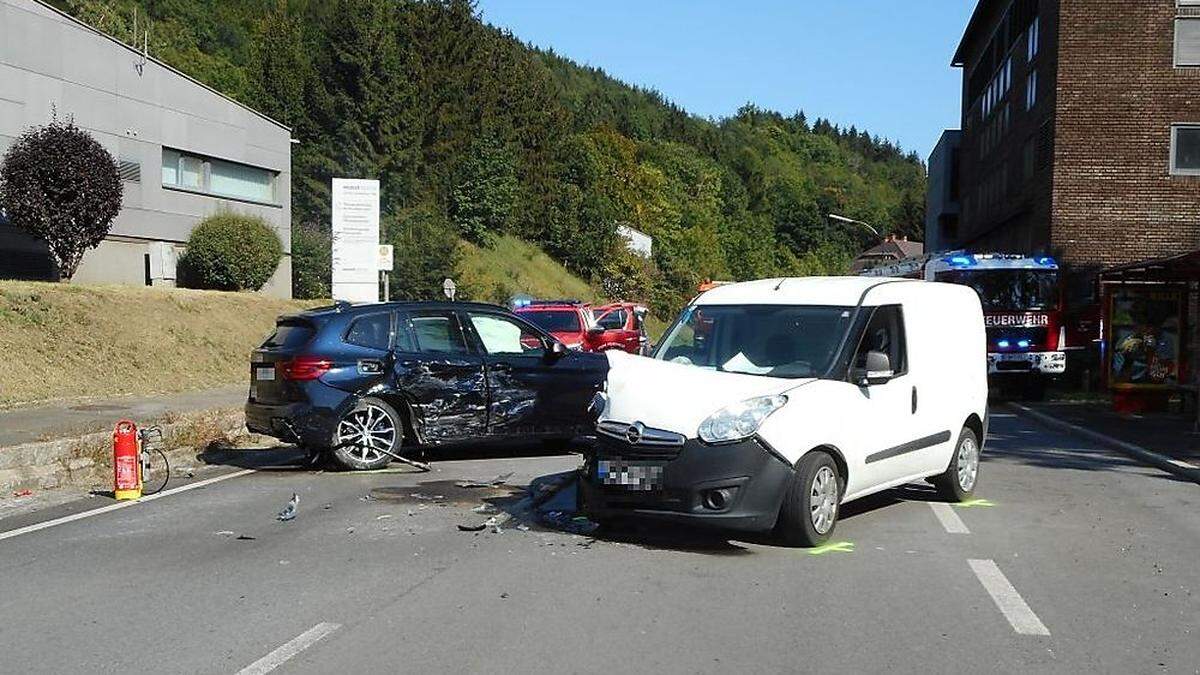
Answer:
(495, 273)
(60, 341)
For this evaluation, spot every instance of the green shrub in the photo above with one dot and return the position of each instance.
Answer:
(311, 256)
(231, 252)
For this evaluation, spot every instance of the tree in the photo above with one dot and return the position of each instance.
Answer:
(231, 252)
(311, 257)
(426, 252)
(61, 186)
(482, 201)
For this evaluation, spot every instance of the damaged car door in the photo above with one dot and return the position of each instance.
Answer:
(533, 388)
(441, 376)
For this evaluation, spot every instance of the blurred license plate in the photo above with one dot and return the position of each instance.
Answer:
(634, 475)
(1014, 357)
(264, 374)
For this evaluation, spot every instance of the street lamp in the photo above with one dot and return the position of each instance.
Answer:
(851, 221)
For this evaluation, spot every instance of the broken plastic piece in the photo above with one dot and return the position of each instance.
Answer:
(472, 528)
(289, 511)
(495, 482)
(23, 493)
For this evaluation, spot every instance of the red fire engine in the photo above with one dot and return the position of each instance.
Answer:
(1022, 306)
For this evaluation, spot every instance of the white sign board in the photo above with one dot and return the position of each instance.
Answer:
(355, 240)
(637, 241)
(387, 261)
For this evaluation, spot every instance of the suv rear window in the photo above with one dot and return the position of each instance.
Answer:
(290, 334)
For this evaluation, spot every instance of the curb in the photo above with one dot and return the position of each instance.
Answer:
(1155, 459)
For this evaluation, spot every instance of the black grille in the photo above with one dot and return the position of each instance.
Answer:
(607, 446)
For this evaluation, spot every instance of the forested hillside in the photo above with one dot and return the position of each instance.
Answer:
(474, 134)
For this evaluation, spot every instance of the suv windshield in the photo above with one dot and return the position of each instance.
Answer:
(554, 321)
(1009, 290)
(777, 341)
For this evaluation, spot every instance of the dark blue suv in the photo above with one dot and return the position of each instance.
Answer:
(366, 381)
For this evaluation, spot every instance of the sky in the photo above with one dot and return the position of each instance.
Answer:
(881, 65)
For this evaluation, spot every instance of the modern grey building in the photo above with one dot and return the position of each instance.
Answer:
(185, 151)
(941, 193)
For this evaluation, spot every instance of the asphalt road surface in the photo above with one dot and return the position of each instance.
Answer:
(1083, 561)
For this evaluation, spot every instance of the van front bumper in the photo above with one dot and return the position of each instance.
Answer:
(750, 478)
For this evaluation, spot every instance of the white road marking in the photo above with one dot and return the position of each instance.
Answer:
(1011, 605)
(289, 649)
(120, 505)
(948, 518)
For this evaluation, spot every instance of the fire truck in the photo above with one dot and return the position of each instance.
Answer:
(1022, 306)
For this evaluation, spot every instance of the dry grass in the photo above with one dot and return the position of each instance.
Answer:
(63, 341)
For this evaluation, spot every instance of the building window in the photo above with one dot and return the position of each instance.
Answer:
(1185, 150)
(1031, 85)
(1187, 41)
(1035, 37)
(217, 177)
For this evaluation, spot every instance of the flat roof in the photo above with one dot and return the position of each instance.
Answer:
(162, 64)
(959, 59)
(829, 291)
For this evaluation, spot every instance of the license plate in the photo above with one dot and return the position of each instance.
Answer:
(633, 475)
(264, 374)
(1013, 357)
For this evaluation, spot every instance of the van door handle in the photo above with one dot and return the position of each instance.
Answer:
(914, 400)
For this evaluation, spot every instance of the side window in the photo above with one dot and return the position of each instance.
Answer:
(373, 330)
(501, 335)
(614, 320)
(885, 333)
(438, 334)
(402, 339)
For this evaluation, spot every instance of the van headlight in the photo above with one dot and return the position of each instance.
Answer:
(739, 421)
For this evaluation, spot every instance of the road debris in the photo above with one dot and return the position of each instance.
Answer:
(427, 498)
(493, 522)
(289, 511)
(367, 498)
(472, 528)
(383, 517)
(495, 482)
(569, 522)
(245, 537)
(23, 493)
(225, 533)
(484, 508)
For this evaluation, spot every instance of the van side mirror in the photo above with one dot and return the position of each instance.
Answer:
(877, 370)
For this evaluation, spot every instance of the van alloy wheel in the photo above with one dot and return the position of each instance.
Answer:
(824, 500)
(968, 463)
(366, 433)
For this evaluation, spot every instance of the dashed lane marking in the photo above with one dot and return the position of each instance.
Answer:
(948, 518)
(836, 547)
(1010, 603)
(120, 505)
(289, 649)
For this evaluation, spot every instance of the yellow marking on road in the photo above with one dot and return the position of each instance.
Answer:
(971, 503)
(836, 547)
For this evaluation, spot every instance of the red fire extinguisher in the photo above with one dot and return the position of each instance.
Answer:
(127, 466)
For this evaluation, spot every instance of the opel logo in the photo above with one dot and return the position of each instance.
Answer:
(633, 434)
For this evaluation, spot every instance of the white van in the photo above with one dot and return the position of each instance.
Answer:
(771, 403)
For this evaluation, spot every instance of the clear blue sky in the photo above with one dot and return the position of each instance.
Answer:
(878, 64)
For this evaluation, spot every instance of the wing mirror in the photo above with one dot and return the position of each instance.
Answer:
(595, 331)
(878, 370)
(556, 351)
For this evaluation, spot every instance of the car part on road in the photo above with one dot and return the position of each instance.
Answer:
(289, 511)
(958, 483)
(495, 482)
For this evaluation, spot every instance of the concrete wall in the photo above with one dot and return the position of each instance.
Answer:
(50, 62)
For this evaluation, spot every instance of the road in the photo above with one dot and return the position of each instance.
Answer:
(1084, 561)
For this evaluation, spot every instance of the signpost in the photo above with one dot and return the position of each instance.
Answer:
(386, 264)
(449, 289)
(355, 240)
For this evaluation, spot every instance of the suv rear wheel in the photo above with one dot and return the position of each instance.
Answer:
(368, 435)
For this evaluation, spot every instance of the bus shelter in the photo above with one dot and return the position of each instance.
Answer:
(1149, 335)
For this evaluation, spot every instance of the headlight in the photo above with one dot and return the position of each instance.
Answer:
(740, 420)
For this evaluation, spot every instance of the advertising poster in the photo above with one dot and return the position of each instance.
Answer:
(1145, 338)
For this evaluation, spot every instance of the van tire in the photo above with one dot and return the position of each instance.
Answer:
(796, 525)
(949, 485)
(354, 457)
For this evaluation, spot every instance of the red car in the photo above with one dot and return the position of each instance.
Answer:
(569, 321)
(624, 327)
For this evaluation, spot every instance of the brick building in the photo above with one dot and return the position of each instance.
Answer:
(1080, 130)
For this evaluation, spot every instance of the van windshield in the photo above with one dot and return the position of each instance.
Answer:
(791, 341)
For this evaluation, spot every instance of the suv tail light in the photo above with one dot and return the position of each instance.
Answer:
(305, 368)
